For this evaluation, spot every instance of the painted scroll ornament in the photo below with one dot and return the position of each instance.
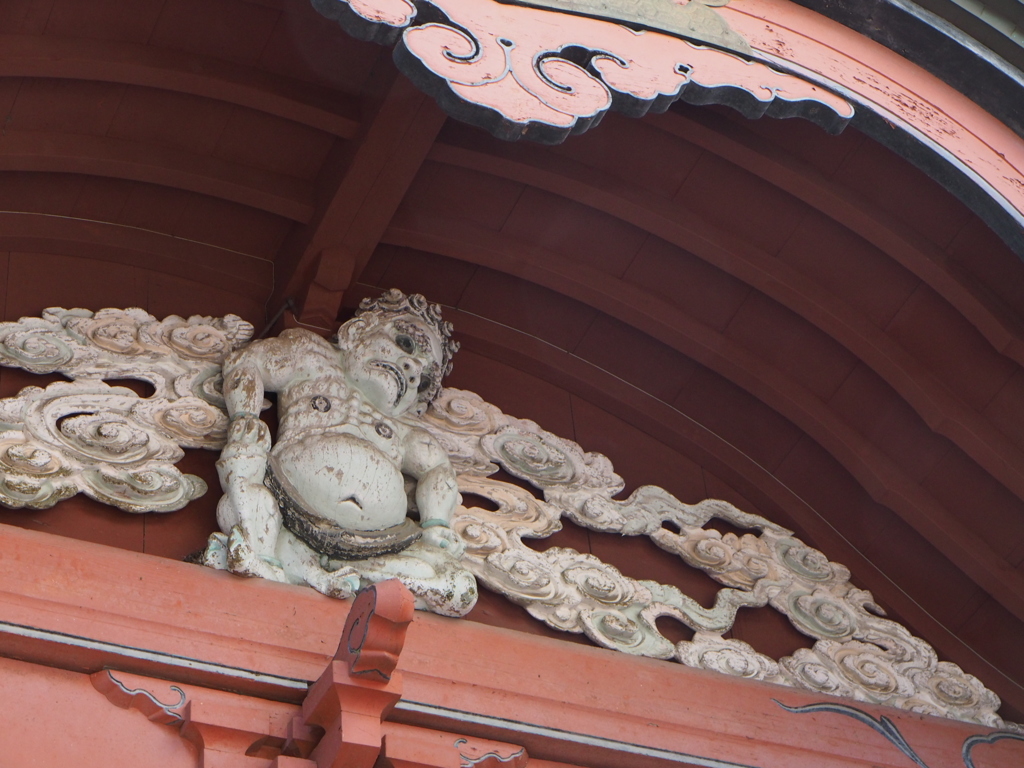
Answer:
(528, 72)
(87, 436)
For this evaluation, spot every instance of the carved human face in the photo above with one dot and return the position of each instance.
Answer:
(393, 363)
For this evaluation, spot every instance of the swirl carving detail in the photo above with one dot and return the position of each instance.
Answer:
(542, 74)
(85, 436)
(858, 653)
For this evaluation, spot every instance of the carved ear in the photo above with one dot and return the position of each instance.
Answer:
(350, 331)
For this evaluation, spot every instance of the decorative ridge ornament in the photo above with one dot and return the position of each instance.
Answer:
(522, 71)
(343, 432)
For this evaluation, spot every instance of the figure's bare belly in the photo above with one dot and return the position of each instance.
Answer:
(343, 478)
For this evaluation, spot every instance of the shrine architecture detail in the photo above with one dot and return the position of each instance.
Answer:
(512, 383)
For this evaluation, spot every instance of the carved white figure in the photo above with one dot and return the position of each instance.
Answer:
(371, 408)
(326, 504)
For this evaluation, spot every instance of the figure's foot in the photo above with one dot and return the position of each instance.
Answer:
(342, 583)
(216, 553)
(243, 560)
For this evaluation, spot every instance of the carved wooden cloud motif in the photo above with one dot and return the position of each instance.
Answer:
(118, 447)
(544, 69)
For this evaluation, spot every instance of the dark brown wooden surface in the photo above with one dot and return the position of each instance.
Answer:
(802, 324)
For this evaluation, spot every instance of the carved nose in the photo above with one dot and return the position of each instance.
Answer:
(412, 367)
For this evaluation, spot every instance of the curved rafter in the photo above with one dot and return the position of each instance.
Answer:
(118, 244)
(876, 473)
(137, 161)
(129, 63)
(939, 408)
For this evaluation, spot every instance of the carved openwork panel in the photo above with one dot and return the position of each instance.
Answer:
(86, 436)
(859, 654)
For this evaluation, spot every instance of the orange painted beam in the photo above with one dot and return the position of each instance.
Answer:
(562, 701)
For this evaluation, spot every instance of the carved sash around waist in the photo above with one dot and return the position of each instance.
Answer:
(327, 537)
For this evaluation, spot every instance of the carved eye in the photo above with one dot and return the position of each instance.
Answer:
(405, 343)
(425, 383)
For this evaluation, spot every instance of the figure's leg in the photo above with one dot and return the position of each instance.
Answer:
(303, 566)
(247, 545)
(439, 582)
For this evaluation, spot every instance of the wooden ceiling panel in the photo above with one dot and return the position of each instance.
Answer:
(741, 203)
(50, 193)
(637, 457)
(232, 226)
(513, 390)
(635, 154)
(153, 207)
(992, 266)
(849, 267)
(906, 192)
(990, 628)
(25, 16)
(30, 288)
(791, 344)
(969, 493)
(69, 106)
(304, 46)
(698, 288)
(800, 139)
(635, 357)
(939, 587)
(271, 143)
(951, 348)
(104, 19)
(461, 193)
(233, 30)
(744, 421)
(538, 311)
(575, 231)
(182, 120)
(444, 280)
(1006, 409)
(876, 411)
(102, 198)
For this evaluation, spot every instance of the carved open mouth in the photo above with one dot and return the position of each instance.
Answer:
(396, 372)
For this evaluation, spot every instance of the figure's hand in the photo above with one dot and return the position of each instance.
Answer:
(443, 537)
(247, 431)
(245, 454)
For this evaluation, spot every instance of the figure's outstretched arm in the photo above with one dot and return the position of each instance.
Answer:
(248, 511)
(437, 490)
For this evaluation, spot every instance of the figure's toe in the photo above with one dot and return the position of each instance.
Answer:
(340, 584)
(243, 560)
(216, 553)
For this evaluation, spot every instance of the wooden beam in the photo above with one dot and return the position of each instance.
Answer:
(876, 473)
(145, 65)
(319, 261)
(104, 156)
(130, 246)
(941, 409)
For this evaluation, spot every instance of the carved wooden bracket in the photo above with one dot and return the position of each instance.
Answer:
(360, 687)
(341, 722)
(546, 72)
